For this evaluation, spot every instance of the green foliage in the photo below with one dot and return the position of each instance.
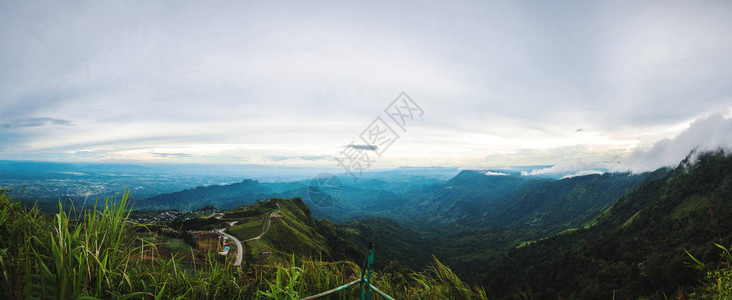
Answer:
(97, 255)
(250, 228)
(100, 255)
(286, 227)
(637, 247)
(717, 282)
(19, 242)
(474, 199)
(285, 283)
(440, 282)
(472, 220)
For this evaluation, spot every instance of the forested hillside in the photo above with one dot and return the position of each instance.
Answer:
(637, 247)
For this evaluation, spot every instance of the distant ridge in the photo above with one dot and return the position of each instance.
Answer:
(221, 196)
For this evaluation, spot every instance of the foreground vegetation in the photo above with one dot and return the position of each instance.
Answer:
(98, 253)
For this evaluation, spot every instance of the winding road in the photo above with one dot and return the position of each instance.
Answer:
(239, 247)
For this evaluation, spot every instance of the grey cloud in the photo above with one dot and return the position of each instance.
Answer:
(303, 157)
(364, 147)
(314, 157)
(278, 157)
(579, 166)
(35, 122)
(630, 66)
(171, 154)
(704, 134)
(93, 154)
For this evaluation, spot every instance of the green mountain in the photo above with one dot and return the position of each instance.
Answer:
(474, 199)
(472, 220)
(222, 196)
(470, 199)
(607, 236)
(469, 221)
(411, 245)
(636, 248)
(282, 227)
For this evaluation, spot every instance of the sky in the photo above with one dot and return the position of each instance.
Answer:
(622, 85)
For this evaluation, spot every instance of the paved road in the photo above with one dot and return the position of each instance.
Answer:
(239, 247)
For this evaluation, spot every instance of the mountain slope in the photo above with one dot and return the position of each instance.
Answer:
(474, 199)
(636, 247)
(282, 227)
(569, 202)
(471, 198)
(412, 246)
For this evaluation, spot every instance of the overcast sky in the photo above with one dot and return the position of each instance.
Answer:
(575, 83)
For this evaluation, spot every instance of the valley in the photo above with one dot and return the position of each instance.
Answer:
(606, 234)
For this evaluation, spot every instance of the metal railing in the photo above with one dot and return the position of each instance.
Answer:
(364, 282)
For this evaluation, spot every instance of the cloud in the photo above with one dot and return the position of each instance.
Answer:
(171, 155)
(314, 157)
(704, 134)
(299, 80)
(570, 167)
(94, 154)
(584, 173)
(364, 147)
(35, 122)
(492, 173)
(293, 158)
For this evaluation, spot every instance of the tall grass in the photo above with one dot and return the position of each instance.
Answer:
(19, 241)
(98, 256)
(295, 280)
(438, 281)
(97, 253)
(717, 282)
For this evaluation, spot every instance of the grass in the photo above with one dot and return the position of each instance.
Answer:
(95, 254)
(98, 253)
(293, 233)
(631, 219)
(250, 229)
(718, 281)
(689, 205)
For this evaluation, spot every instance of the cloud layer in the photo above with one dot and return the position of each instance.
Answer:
(289, 83)
(704, 134)
(707, 133)
(35, 122)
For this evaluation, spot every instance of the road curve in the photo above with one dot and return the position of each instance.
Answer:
(239, 247)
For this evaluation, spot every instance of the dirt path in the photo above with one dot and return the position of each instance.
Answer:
(265, 227)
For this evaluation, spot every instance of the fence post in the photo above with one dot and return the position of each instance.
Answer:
(364, 285)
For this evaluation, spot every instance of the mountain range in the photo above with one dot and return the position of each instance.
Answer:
(599, 236)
